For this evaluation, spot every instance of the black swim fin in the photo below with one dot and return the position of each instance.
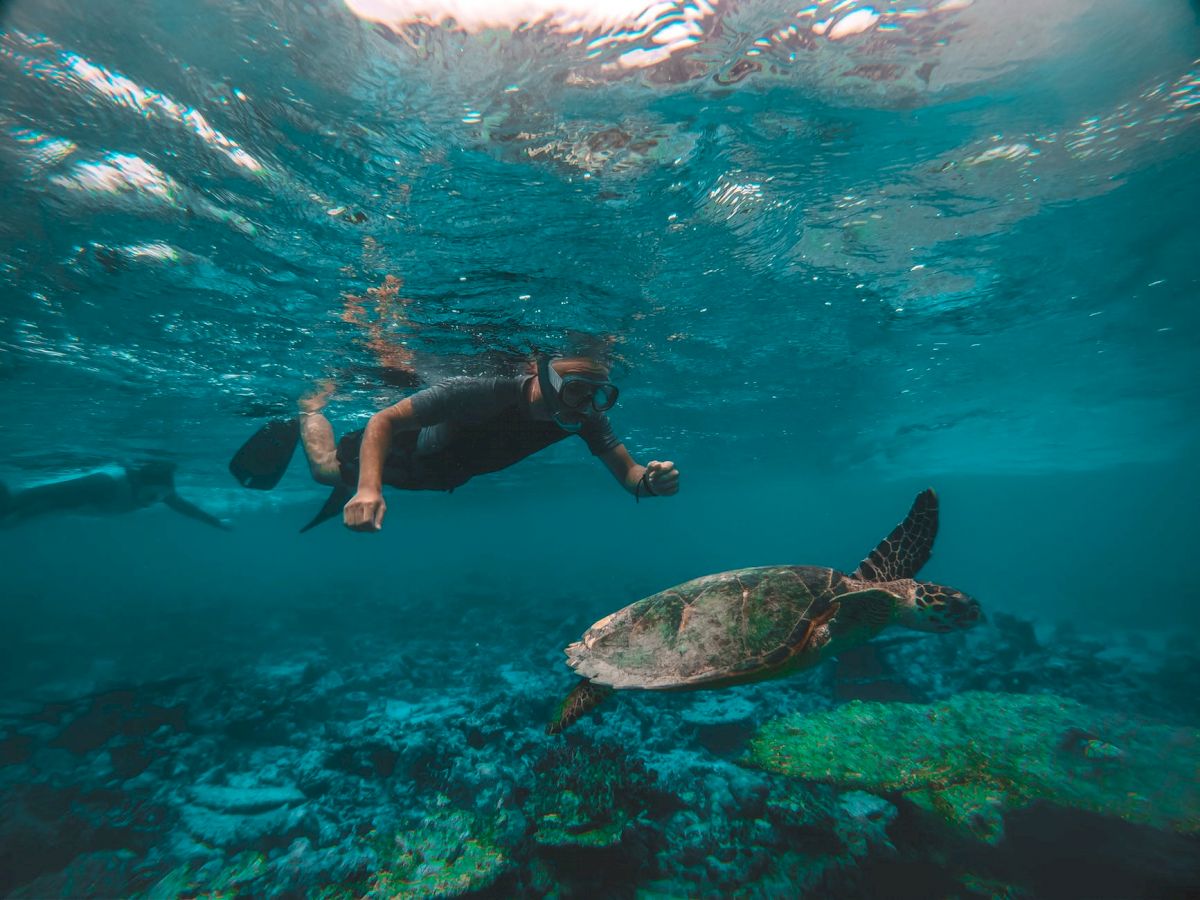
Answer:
(338, 497)
(262, 460)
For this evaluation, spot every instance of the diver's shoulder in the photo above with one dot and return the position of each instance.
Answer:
(489, 383)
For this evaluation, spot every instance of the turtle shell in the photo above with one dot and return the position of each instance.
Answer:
(720, 629)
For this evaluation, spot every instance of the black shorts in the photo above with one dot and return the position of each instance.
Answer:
(403, 468)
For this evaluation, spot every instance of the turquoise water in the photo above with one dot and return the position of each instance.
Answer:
(835, 253)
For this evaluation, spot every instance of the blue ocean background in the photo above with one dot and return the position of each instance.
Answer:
(953, 247)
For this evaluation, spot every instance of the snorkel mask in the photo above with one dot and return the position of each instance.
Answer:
(577, 395)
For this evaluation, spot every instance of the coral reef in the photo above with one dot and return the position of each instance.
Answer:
(329, 770)
(212, 880)
(587, 795)
(451, 852)
(972, 758)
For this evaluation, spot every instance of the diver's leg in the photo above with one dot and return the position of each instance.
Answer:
(97, 493)
(316, 434)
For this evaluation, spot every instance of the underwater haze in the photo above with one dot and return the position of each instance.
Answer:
(835, 253)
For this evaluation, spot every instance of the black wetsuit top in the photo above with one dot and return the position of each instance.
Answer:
(469, 426)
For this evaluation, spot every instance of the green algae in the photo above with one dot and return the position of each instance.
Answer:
(587, 795)
(208, 881)
(972, 758)
(452, 853)
(574, 823)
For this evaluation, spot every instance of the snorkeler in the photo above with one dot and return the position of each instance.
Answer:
(441, 437)
(110, 492)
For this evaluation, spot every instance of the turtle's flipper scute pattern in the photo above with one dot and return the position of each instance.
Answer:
(902, 553)
(865, 613)
(584, 697)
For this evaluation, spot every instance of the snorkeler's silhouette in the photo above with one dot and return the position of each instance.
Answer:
(114, 491)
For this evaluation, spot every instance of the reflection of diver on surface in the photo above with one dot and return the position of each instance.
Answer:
(441, 437)
(122, 489)
(382, 315)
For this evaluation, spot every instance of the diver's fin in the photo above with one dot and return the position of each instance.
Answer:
(262, 460)
(337, 498)
(584, 696)
(902, 553)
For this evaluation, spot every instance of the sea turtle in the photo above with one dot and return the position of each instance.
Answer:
(764, 622)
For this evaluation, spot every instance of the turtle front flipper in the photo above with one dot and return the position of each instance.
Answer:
(806, 629)
(584, 696)
(902, 553)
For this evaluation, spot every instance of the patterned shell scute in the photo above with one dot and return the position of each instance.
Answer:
(702, 630)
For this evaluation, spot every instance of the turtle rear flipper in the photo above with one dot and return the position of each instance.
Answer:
(584, 696)
(902, 553)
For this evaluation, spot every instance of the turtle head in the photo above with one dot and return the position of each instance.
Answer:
(935, 607)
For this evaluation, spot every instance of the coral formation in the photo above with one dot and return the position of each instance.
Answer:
(304, 773)
(586, 795)
(450, 853)
(976, 756)
(211, 880)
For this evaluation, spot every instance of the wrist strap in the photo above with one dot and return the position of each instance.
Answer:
(643, 482)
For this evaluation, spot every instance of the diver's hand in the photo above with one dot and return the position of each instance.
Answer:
(662, 477)
(364, 512)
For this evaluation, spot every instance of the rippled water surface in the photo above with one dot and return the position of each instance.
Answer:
(953, 235)
(837, 252)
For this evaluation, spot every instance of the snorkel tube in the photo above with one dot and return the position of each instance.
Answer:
(551, 383)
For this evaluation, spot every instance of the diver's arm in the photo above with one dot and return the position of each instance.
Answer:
(192, 511)
(661, 478)
(366, 508)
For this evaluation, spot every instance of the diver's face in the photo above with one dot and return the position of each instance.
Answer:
(569, 399)
(584, 394)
